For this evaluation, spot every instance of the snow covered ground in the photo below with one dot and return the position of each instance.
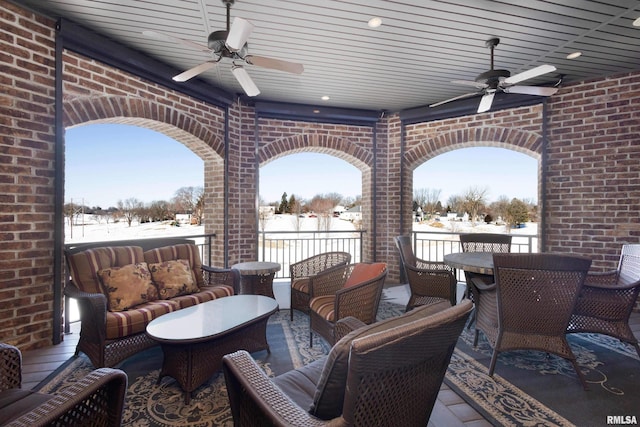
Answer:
(90, 230)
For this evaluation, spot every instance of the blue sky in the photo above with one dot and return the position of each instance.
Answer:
(107, 162)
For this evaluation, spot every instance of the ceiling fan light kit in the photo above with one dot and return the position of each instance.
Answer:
(231, 44)
(494, 80)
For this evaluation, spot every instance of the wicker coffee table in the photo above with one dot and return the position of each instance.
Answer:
(194, 339)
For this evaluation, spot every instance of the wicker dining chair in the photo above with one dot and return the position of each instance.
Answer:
(482, 242)
(530, 304)
(95, 400)
(346, 290)
(608, 298)
(385, 374)
(429, 281)
(301, 271)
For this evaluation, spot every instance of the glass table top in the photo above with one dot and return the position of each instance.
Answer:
(210, 318)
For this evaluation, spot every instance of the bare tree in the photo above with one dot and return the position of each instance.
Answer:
(499, 207)
(323, 207)
(456, 203)
(420, 196)
(129, 209)
(432, 196)
(189, 200)
(296, 210)
(474, 200)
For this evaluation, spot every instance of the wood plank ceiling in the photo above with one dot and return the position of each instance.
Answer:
(408, 61)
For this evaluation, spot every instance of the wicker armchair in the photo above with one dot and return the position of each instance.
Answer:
(362, 382)
(347, 290)
(530, 304)
(428, 281)
(607, 299)
(302, 270)
(96, 400)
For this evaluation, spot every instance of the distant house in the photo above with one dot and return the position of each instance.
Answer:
(353, 214)
(183, 218)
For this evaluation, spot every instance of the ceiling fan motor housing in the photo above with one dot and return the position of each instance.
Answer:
(492, 78)
(216, 42)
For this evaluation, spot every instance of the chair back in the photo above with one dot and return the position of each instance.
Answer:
(407, 257)
(384, 389)
(629, 266)
(536, 293)
(486, 242)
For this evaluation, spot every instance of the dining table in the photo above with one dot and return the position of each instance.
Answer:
(471, 262)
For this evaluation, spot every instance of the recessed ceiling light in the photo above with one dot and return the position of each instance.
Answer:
(574, 55)
(316, 111)
(374, 22)
(325, 98)
(636, 23)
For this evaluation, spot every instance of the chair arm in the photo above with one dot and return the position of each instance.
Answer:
(97, 399)
(255, 400)
(10, 367)
(93, 312)
(346, 325)
(422, 264)
(221, 276)
(360, 301)
(604, 279)
(328, 282)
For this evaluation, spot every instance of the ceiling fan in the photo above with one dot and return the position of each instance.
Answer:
(493, 81)
(231, 43)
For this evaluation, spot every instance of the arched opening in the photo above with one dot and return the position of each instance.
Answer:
(479, 189)
(125, 181)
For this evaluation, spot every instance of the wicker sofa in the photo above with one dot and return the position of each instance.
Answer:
(121, 286)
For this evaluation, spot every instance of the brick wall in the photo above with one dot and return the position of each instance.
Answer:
(27, 184)
(593, 189)
(593, 184)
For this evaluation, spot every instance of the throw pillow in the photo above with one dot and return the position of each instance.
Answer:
(173, 278)
(127, 286)
(363, 272)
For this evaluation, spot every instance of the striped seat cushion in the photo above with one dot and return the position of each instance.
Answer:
(324, 306)
(301, 285)
(207, 293)
(124, 323)
(85, 265)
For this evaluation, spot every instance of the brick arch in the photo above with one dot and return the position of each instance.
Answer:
(523, 141)
(148, 114)
(174, 123)
(341, 148)
(338, 147)
(421, 150)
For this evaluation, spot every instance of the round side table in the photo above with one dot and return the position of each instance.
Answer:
(257, 277)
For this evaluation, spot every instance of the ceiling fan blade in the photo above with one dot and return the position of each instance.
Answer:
(275, 64)
(192, 72)
(168, 37)
(529, 74)
(238, 34)
(486, 101)
(479, 85)
(466, 95)
(532, 90)
(245, 81)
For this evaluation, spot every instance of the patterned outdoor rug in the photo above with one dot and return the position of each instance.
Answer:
(533, 388)
(151, 405)
(527, 389)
